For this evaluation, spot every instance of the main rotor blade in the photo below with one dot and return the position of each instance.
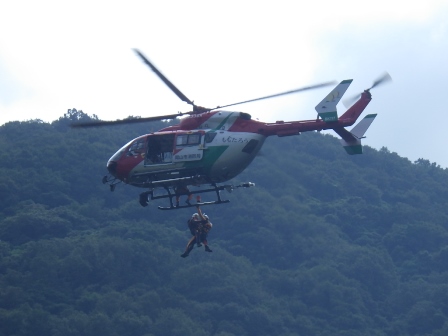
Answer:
(164, 79)
(125, 121)
(282, 93)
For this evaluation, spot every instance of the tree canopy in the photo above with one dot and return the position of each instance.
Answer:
(325, 244)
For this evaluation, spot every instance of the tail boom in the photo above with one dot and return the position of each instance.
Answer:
(327, 117)
(352, 114)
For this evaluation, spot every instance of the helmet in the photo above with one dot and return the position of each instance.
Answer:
(195, 215)
(205, 216)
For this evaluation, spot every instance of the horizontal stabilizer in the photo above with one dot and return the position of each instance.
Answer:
(351, 140)
(326, 109)
(360, 129)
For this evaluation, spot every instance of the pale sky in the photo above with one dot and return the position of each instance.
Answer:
(56, 55)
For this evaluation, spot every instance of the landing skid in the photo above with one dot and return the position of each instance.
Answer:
(149, 195)
(193, 205)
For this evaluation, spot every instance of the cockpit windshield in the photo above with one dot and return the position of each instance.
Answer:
(120, 152)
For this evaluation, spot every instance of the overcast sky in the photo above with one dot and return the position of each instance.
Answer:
(57, 55)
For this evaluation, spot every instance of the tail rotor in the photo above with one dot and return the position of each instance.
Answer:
(385, 78)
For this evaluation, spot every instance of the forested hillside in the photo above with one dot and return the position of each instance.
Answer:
(325, 244)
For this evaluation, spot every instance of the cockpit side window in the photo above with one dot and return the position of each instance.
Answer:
(137, 147)
(182, 140)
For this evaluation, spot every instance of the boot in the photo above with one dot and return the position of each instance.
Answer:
(207, 249)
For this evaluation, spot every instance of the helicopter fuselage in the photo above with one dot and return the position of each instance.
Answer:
(213, 156)
(213, 147)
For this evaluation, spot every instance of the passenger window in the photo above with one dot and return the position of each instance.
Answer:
(194, 139)
(182, 140)
(209, 136)
(249, 148)
(188, 139)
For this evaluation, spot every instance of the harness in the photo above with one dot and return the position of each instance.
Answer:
(199, 226)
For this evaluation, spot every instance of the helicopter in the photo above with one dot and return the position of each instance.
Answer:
(213, 145)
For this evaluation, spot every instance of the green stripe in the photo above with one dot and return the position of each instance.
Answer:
(329, 116)
(353, 150)
(223, 122)
(209, 157)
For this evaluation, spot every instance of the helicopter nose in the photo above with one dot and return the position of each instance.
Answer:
(112, 168)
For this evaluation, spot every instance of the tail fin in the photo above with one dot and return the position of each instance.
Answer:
(326, 109)
(352, 140)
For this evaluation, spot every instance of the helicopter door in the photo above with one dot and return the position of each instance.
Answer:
(189, 147)
(160, 149)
